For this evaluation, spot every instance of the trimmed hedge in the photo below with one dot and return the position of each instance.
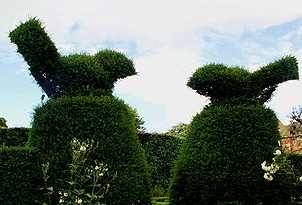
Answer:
(12, 137)
(106, 120)
(20, 176)
(161, 152)
(220, 160)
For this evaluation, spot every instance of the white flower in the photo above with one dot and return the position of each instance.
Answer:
(273, 170)
(277, 152)
(265, 167)
(61, 201)
(65, 194)
(300, 178)
(78, 201)
(268, 177)
(82, 148)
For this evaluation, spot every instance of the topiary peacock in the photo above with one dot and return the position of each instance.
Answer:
(229, 139)
(82, 106)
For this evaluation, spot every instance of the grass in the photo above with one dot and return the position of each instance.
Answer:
(160, 201)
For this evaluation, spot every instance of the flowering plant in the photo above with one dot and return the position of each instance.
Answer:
(272, 168)
(86, 184)
(282, 165)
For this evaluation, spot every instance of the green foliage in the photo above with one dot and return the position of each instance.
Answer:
(161, 152)
(295, 163)
(20, 172)
(179, 130)
(108, 122)
(3, 122)
(17, 136)
(63, 75)
(38, 51)
(220, 82)
(160, 201)
(87, 184)
(220, 160)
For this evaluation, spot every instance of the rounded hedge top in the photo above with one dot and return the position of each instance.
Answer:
(58, 74)
(220, 82)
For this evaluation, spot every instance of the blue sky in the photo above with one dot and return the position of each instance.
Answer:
(168, 40)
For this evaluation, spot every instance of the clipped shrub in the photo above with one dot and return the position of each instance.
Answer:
(20, 176)
(11, 137)
(106, 120)
(227, 142)
(161, 152)
(224, 149)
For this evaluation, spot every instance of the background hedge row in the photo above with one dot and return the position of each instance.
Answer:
(17, 136)
(20, 171)
(161, 151)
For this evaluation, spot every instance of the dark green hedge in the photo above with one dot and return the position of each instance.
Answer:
(20, 176)
(220, 160)
(17, 136)
(106, 120)
(161, 152)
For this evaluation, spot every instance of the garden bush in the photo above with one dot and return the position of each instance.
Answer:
(225, 148)
(106, 120)
(20, 176)
(17, 136)
(227, 142)
(161, 152)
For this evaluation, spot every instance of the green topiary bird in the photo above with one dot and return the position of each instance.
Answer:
(82, 107)
(226, 143)
(220, 82)
(77, 73)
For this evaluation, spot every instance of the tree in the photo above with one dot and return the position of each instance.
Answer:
(179, 130)
(3, 122)
(295, 127)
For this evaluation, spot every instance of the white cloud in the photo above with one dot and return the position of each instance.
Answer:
(162, 79)
(167, 35)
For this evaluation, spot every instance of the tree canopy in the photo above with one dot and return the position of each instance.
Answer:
(3, 122)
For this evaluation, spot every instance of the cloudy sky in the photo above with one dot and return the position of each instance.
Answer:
(167, 39)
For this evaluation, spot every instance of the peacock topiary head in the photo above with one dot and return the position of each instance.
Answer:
(66, 75)
(219, 82)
